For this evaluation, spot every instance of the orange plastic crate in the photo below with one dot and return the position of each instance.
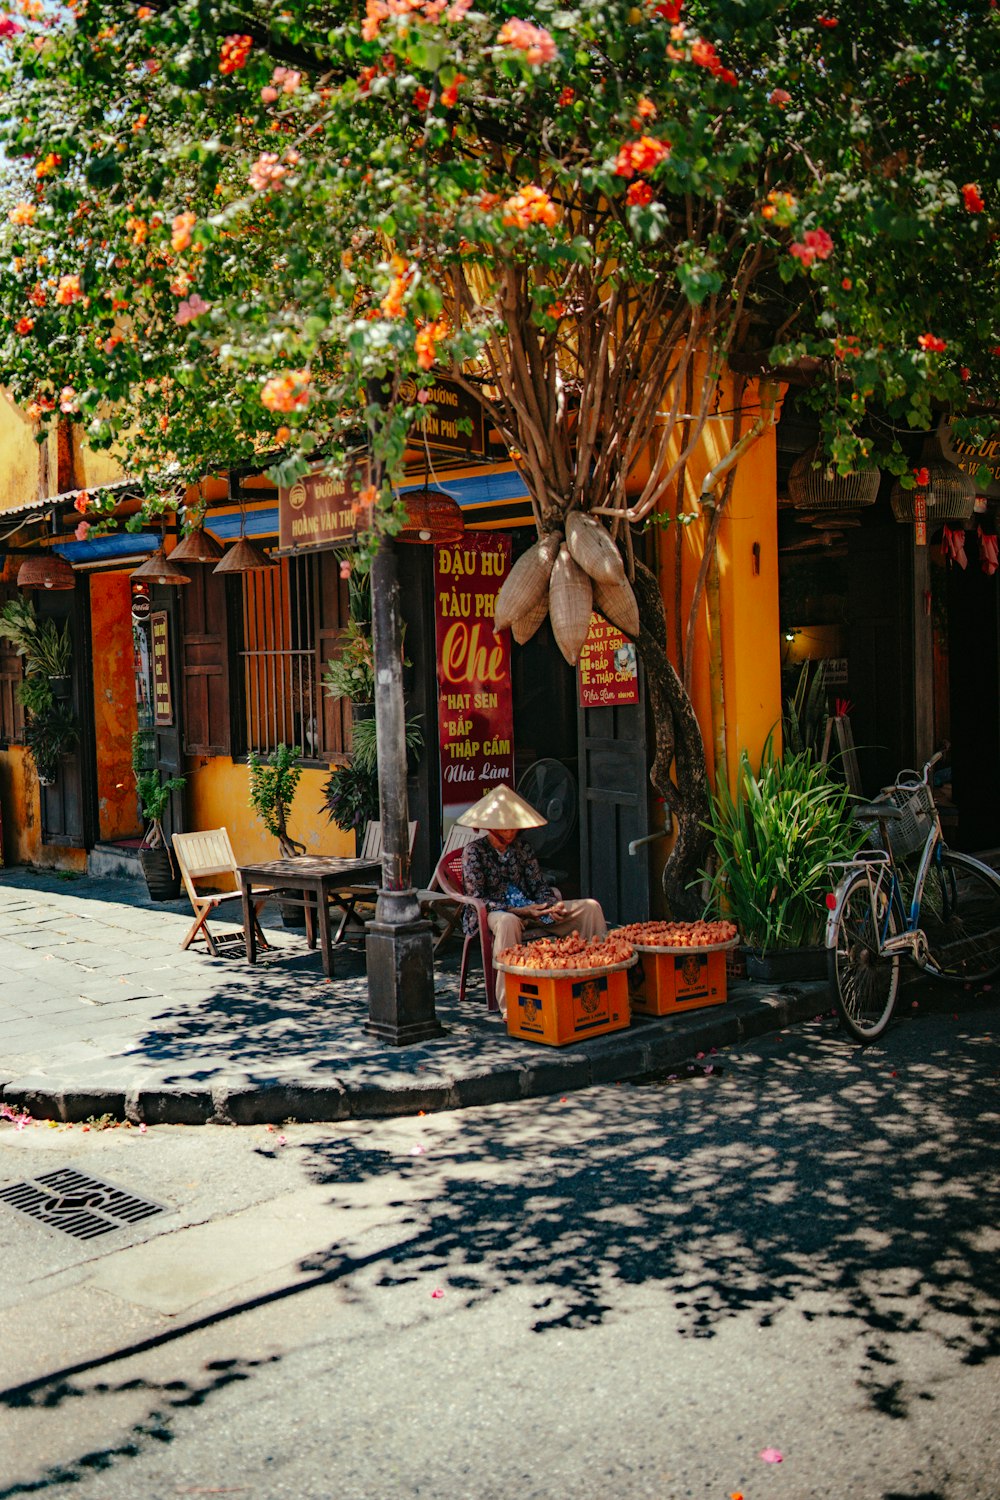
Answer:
(665, 981)
(566, 1007)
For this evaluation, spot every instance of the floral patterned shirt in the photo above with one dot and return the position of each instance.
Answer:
(503, 880)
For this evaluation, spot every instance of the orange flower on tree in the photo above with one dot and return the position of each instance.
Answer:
(22, 213)
(640, 156)
(535, 42)
(449, 95)
(427, 340)
(365, 499)
(68, 291)
(931, 344)
(47, 165)
(24, 325)
(234, 52)
(779, 206)
(37, 295)
(288, 392)
(182, 226)
(639, 194)
(532, 205)
(566, 97)
(973, 199)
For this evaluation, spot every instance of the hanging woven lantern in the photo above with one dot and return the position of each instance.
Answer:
(824, 489)
(46, 570)
(159, 568)
(431, 516)
(949, 495)
(199, 546)
(243, 557)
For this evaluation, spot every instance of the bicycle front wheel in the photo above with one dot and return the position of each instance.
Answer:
(863, 979)
(960, 917)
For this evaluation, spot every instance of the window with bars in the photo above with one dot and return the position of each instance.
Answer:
(293, 616)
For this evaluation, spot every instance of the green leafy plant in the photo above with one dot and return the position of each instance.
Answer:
(47, 648)
(35, 694)
(350, 797)
(153, 792)
(365, 743)
(351, 673)
(806, 710)
(48, 737)
(273, 784)
(774, 838)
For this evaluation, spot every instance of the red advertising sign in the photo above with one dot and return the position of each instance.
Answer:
(608, 673)
(475, 701)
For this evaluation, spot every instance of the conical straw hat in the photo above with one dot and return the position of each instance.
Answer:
(501, 808)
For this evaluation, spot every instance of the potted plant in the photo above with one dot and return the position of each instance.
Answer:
(50, 732)
(273, 784)
(351, 673)
(774, 839)
(47, 648)
(350, 796)
(155, 855)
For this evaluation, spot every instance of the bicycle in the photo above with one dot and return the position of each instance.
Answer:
(952, 928)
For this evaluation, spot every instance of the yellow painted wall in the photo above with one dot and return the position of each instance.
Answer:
(22, 818)
(217, 795)
(115, 714)
(19, 457)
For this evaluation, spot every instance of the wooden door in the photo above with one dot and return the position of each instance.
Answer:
(69, 805)
(614, 793)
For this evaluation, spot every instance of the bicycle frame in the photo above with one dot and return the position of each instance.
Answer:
(911, 941)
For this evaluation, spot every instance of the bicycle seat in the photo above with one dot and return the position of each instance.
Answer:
(869, 811)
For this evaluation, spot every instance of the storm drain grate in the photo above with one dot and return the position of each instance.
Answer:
(78, 1205)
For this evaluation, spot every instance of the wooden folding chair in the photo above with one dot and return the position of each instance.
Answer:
(369, 847)
(208, 855)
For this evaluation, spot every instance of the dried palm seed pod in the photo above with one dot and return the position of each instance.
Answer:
(571, 599)
(524, 627)
(592, 548)
(527, 581)
(617, 603)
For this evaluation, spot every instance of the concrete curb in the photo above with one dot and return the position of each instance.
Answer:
(647, 1047)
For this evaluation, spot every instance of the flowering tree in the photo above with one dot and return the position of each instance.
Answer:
(228, 220)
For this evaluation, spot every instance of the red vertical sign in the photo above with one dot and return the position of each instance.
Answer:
(475, 702)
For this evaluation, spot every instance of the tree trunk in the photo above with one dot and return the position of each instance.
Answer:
(678, 742)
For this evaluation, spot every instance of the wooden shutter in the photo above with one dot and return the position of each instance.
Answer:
(11, 673)
(331, 617)
(205, 652)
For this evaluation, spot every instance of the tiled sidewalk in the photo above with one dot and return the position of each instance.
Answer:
(101, 1012)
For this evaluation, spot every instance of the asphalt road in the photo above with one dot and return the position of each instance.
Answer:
(633, 1292)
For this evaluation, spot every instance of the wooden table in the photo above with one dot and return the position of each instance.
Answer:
(324, 879)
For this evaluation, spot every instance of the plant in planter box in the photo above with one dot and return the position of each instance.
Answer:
(154, 794)
(47, 648)
(774, 839)
(273, 784)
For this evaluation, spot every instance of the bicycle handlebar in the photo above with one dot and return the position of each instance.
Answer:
(908, 777)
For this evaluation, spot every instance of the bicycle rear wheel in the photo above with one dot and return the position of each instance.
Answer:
(960, 916)
(863, 980)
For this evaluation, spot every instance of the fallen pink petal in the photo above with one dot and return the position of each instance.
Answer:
(437, 1292)
(772, 1455)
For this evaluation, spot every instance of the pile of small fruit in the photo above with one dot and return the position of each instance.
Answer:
(572, 952)
(678, 934)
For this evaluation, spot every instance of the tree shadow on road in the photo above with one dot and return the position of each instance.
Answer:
(856, 1193)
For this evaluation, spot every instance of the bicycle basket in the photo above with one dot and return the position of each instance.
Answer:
(916, 804)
